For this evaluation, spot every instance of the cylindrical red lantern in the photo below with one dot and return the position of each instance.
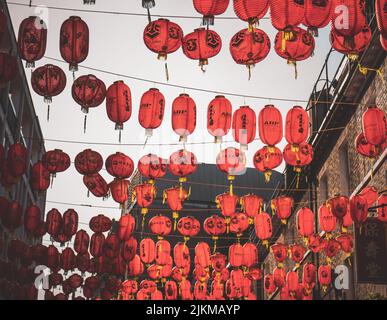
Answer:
(244, 126)
(374, 125)
(96, 244)
(81, 242)
(119, 190)
(305, 222)
(251, 205)
(97, 185)
(263, 227)
(32, 219)
(279, 251)
(348, 17)
(269, 284)
(292, 281)
(201, 45)
(40, 177)
(297, 126)
(151, 113)
(74, 41)
(359, 209)
(219, 115)
(32, 40)
(17, 159)
(54, 222)
(203, 254)
(325, 276)
(145, 194)
(282, 207)
(210, 8)
(70, 222)
(270, 125)
(184, 116)
(147, 250)
(317, 15)
(119, 104)
(327, 220)
(126, 227)
(251, 10)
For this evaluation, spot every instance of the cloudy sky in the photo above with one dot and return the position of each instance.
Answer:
(116, 45)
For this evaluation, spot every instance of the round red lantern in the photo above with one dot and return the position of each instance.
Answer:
(355, 19)
(119, 104)
(231, 161)
(367, 149)
(182, 163)
(296, 47)
(249, 47)
(359, 209)
(339, 206)
(100, 223)
(325, 276)
(210, 8)
(251, 10)
(171, 290)
(297, 253)
(160, 225)
(267, 159)
(40, 177)
(244, 126)
(299, 156)
(32, 40)
(263, 227)
(17, 159)
(215, 226)
(270, 125)
(8, 67)
(282, 207)
(305, 222)
(201, 45)
(219, 115)
(286, 14)
(326, 219)
(56, 161)
(144, 194)
(183, 116)
(74, 41)
(371, 195)
(251, 205)
(374, 126)
(239, 222)
(152, 167)
(279, 251)
(163, 37)
(88, 162)
(188, 227)
(97, 185)
(309, 276)
(151, 111)
(297, 126)
(317, 15)
(13, 217)
(119, 165)
(269, 284)
(126, 227)
(119, 190)
(48, 81)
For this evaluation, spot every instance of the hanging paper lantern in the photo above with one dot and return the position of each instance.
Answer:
(215, 226)
(53, 258)
(359, 209)
(382, 210)
(175, 198)
(68, 260)
(8, 67)
(171, 290)
(352, 48)
(48, 81)
(203, 254)
(270, 125)
(100, 223)
(282, 207)
(119, 190)
(279, 251)
(88, 162)
(267, 159)
(219, 115)
(249, 47)
(97, 185)
(251, 10)
(74, 41)
(374, 125)
(17, 159)
(70, 222)
(286, 14)
(317, 15)
(210, 8)
(297, 253)
(292, 281)
(144, 194)
(316, 243)
(181, 255)
(347, 220)
(135, 267)
(235, 255)
(297, 47)
(119, 165)
(160, 225)
(129, 249)
(184, 116)
(355, 19)
(54, 222)
(231, 161)
(296, 126)
(298, 157)
(32, 40)
(182, 163)
(163, 249)
(218, 262)
(163, 37)
(346, 244)
(269, 284)
(250, 254)
(325, 276)
(339, 206)
(111, 246)
(32, 219)
(147, 250)
(151, 113)
(309, 276)
(227, 202)
(251, 205)
(152, 167)
(126, 226)
(332, 248)
(263, 227)
(305, 222)
(81, 242)
(119, 104)
(239, 222)
(97, 241)
(371, 195)
(326, 219)
(279, 275)
(56, 161)
(188, 227)
(366, 149)
(40, 177)
(244, 126)
(201, 45)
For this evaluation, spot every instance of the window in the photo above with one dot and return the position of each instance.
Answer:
(344, 170)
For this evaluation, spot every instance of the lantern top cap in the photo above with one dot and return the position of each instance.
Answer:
(184, 95)
(220, 96)
(154, 89)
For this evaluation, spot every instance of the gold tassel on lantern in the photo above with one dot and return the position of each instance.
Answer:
(175, 216)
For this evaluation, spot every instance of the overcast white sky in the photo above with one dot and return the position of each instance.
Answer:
(116, 45)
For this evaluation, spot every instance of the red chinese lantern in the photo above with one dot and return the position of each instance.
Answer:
(97, 185)
(305, 222)
(119, 104)
(81, 242)
(316, 243)
(129, 249)
(297, 126)
(188, 227)
(346, 244)
(175, 198)
(8, 67)
(263, 227)
(382, 210)
(70, 222)
(371, 195)
(267, 159)
(17, 159)
(210, 8)
(368, 150)
(32, 219)
(231, 161)
(97, 241)
(269, 284)
(325, 276)
(200, 290)
(244, 126)
(250, 254)
(183, 116)
(352, 48)
(215, 226)
(354, 21)
(152, 167)
(347, 221)
(279, 275)
(374, 126)
(317, 15)
(68, 260)
(218, 262)
(100, 223)
(144, 194)
(151, 113)
(119, 165)
(332, 248)
(219, 115)
(182, 163)
(270, 125)
(381, 17)
(227, 202)
(163, 37)
(88, 162)
(74, 41)
(40, 177)
(135, 267)
(297, 253)
(249, 47)
(298, 157)
(282, 207)
(185, 290)
(56, 161)
(32, 40)
(163, 251)
(203, 254)
(286, 14)
(54, 222)
(6, 178)
(111, 246)
(13, 217)
(171, 290)
(160, 225)
(126, 227)
(119, 190)
(147, 250)
(201, 45)
(339, 206)
(251, 205)
(309, 276)
(251, 10)
(181, 255)
(292, 281)
(53, 257)
(326, 219)
(279, 251)
(359, 209)
(296, 47)
(239, 222)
